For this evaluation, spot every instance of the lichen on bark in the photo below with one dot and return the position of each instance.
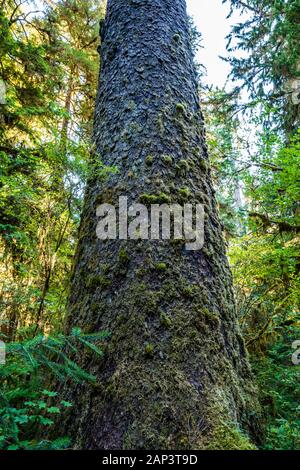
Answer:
(175, 372)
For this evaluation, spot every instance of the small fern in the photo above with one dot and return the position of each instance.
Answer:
(25, 404)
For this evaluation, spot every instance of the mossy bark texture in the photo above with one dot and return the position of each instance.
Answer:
(174, 374)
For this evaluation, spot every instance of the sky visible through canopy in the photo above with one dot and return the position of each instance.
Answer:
(210, 17)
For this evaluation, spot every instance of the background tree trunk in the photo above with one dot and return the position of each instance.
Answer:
(175, 372)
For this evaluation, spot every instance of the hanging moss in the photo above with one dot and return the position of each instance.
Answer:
(165, 320)
(210, 316)
(149, 160)
(105, 268)
(149, 349)
(183, 167)
(167, 159)
(229, 437)
(162, 267)
(123, 257)
(130, 105)
(181, 108)
(188, 291)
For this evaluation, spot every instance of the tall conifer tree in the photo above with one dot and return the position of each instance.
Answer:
(175, 372)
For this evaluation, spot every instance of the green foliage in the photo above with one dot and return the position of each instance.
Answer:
(25, 404)
(162, 267)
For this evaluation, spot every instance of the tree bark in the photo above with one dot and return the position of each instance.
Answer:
(175, 373)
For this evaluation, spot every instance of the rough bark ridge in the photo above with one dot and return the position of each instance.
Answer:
(175, 373)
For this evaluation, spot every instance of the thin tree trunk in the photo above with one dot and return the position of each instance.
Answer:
(175, 373)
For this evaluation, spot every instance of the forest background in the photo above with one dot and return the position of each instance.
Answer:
(48, 80)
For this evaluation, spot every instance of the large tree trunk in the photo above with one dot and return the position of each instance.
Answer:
(175, 372)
